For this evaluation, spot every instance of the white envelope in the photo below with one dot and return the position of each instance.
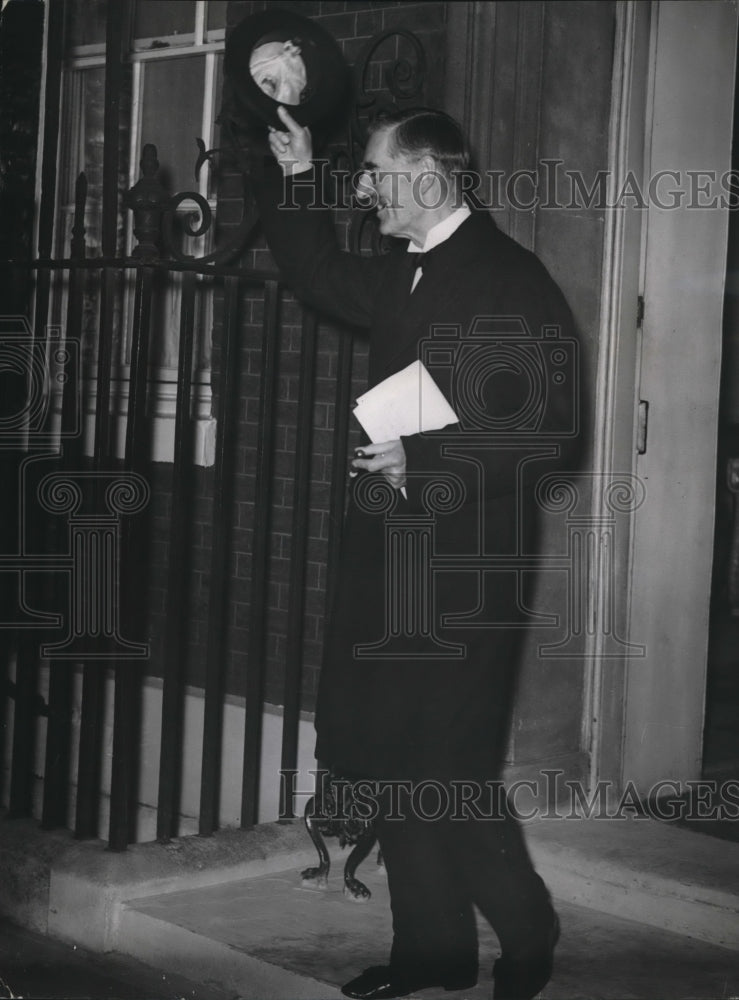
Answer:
(405, 403)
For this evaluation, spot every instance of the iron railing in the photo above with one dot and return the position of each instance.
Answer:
(120, 638)
(90, 528)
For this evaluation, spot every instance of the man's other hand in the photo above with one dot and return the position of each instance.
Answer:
(387, 458)
(292, 149)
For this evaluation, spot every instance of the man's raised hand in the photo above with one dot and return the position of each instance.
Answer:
(292, 149)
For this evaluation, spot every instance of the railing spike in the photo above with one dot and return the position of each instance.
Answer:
(78, 225)
(148, 200)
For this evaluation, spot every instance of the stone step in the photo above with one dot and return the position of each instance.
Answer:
(165, 945)
(270, 937)
(657, 873)
(143, 902)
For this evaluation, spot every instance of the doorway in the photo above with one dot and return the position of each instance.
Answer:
(688, 131)
(721, 731)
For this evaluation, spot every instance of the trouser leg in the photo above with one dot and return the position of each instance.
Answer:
(437, 869)
(493, 865)
(434, 929)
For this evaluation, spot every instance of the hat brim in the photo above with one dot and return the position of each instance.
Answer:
(326, 70)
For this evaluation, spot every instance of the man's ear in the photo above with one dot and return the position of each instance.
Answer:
(429, 177)
(429, 168)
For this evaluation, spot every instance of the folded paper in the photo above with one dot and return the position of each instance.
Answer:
(405, 403)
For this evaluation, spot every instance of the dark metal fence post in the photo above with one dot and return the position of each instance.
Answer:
(260, 556)
(27, 663)
(134, 561)
(298, 558)
(88, 781)
(61, 672)
(175, 647)
(218, 616)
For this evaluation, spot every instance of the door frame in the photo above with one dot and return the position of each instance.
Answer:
(616, 379)
(672, 62)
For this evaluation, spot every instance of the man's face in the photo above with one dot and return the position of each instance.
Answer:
(390, 182)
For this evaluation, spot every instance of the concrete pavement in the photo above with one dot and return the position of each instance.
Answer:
(649, 910)
(34, 965)
(270, 937)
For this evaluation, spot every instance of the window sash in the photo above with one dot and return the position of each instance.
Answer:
(208, 46)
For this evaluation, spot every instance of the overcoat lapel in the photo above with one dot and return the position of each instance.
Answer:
(388, 327)
(437, 295)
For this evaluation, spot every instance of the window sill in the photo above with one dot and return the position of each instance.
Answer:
(161, 415)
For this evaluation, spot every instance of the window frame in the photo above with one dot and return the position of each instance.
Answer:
(201, 43)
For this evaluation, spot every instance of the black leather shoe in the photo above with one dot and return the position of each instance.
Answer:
(524, 976)
(380, 982)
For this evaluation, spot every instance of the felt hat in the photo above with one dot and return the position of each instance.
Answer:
(327, 74)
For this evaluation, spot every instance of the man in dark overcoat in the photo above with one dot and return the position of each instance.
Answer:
(420, 664)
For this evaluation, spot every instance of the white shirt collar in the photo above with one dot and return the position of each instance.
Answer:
(442, 230)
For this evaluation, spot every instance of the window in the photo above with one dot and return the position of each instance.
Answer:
(171, 97)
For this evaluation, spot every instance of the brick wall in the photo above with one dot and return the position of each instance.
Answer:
(353, 24)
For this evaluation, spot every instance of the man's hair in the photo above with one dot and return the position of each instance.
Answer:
(418, 132)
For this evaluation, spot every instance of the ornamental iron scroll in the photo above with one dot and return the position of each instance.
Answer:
(157, 214)
(404, 81)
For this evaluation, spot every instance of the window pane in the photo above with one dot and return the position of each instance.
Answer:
(82, 134)
(170, 84)
(82, 149)
(216, 14)
(155, 18)
(87, 22)
(216, 143)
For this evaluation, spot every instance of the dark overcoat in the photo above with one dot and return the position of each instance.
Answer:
(422, 640)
